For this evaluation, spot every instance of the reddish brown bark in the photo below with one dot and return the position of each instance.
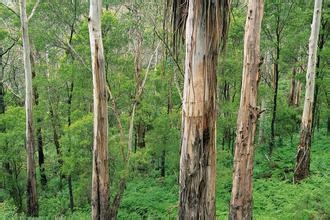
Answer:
(198, 154)
(241, 195)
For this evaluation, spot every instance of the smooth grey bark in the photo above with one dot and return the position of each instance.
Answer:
(32, 201)
(303, 154)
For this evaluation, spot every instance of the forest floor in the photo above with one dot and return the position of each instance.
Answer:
(275, 196)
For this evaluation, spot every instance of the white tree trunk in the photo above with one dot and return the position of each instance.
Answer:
(32, 202)
(100, 176)
(241, 195)
(303, 154)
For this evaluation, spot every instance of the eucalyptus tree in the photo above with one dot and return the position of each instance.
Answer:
(241, 195)
(100, 176)
(275, 25)
(32, 200)
(206, 28)
(303, 155)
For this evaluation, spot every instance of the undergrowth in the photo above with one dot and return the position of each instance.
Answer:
(275, 196)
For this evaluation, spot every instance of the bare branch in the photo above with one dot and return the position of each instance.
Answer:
(9, 48)
(10, 9)
(137, 97)
(34, 9)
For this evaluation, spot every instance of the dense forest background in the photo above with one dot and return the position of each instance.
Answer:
(144, 77)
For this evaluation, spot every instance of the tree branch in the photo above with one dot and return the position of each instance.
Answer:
(34, 9)
(9, 48)
(10, 9)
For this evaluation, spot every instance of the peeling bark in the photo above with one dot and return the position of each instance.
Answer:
(100, 176)
(241, 195)
(198, 153)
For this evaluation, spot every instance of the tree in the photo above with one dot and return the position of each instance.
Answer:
(275, 29)
(241, 195)
(206, 28)
(2, 91)
(32, 201)
(100, 176)
(303, 154)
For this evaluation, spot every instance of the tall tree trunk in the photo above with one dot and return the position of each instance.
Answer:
(205, 22)
(2, 91)
(69, 178)
(41, 155)
(100, 176)
(241, 195)
(275, 84)
(32, 202)
(303, 154)
(322, 41)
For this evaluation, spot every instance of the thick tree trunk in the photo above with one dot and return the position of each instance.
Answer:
(32, 202)
(198, 155)
(241, 195)
(303, 154)
(100, 177)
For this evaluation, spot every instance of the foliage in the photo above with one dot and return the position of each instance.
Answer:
(63, 84)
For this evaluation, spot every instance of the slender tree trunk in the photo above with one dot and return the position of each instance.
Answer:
(41, 158)
(273, 121)
(69, 178)
(328, 122)
(294, 89)
(100, 177)
(261, 132)
(321, 43)
(32, 202)
(2, 91)
(303, 154)
(241, 195)
(205, 21)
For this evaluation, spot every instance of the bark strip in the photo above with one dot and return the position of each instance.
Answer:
(241, 195)
(100, 176)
